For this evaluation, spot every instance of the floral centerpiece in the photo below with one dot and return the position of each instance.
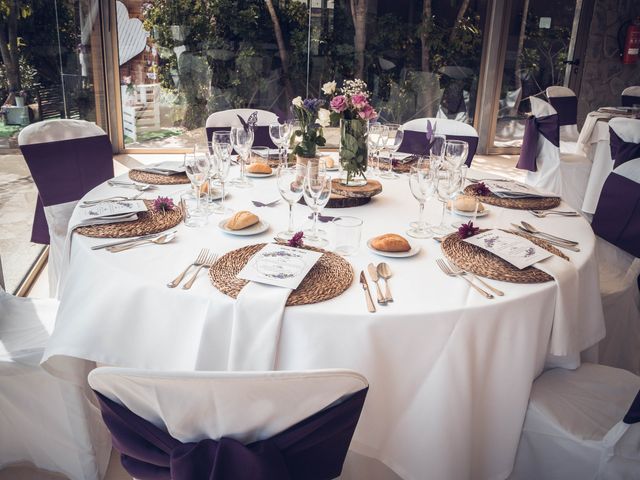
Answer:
(308, 136)
(350, 104)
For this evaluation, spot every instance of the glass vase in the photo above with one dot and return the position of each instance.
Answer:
(353, 151)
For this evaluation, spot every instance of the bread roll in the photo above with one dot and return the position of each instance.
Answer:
(466, 203)
(329, 162)
(241, 220)
(390, 242)
(204, 188)
(259, 168)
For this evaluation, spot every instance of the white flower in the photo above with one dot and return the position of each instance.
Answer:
(329, 87)
(297, 102)
(324, 119)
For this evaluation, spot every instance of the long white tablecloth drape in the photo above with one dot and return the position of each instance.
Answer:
(449, 371)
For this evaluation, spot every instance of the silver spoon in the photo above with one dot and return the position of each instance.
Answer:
(141, 187)
(158, 241)
(531, 229)
(385, 272)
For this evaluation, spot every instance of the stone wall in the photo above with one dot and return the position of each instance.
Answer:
(604, 76)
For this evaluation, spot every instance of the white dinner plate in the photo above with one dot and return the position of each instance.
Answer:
(259, 227)
(415, 249)
(333, 169)
(259, 175)
(470, 214)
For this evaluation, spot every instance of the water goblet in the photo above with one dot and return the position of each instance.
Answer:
(221, 165)
(455, 152)
(290, 185)
(279, 133)
(375, 140)
(393, 141)
(242, 140)
(448, 184)
(422, 183)
(317, 190)
(197, 166)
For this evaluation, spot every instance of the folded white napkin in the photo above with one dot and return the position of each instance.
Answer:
(257, 318)
(566, 323)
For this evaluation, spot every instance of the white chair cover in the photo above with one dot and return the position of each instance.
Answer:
(619, 272)
(246, 406)
(566, 175)
(57, 215)
(574, 430)
(44, 420)
(568, 133)
(229, 118)
(632, 95)
(633, 91)
(628, 129)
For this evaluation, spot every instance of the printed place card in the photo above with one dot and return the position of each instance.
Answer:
(511, 189)
(279, 265)
(518, 251)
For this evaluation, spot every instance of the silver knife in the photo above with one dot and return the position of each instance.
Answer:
(367, 294)
(128, 240)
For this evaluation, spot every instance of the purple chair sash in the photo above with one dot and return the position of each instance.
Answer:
(64, 171)
(617, 216)
(261, 137)
(567, 108)
(313, 449)
(630, 100)
(633, 415)
(546, 126)
(416, 143)
(622, 151)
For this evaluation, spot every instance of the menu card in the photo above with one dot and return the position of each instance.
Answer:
(279, 265)
(516, 250)
(168, 167)
(511, 189)
(109, 212)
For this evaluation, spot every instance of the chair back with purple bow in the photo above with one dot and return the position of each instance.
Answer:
(221, 425)
(617, 216)
(565, 102)
(415, 139)
(624, 140)
(631, 96)
(223, 121)
(540, 152)
(66, 158)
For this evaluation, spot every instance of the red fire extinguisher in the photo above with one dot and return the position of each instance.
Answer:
(631, 50)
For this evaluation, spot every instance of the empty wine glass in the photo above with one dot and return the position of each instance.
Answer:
(394, 139)
(455, 152)
(242, 140)
(436, 149)
(449, 181)
(221, 165)
(197, 166)
(279, 133)
(422, 182)
(377, 137)
(317, 190)
(290, 185)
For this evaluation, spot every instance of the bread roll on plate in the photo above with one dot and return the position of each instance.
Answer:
(466, 203)
(390, 242)
(259, 167)
(241, 220)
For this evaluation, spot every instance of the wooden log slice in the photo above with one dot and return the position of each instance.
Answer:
(372, 188)
(340, 201)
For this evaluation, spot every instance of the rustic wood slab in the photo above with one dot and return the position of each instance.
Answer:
(340, 201)
(372, 188)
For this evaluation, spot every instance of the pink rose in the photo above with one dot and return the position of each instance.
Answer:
(359, 101)
(367, 113)
(338, 103)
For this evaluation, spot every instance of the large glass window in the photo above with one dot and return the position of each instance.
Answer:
(182, 60)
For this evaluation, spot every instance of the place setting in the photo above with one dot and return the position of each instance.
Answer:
(162, 173)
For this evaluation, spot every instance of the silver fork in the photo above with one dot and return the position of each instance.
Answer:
(207, 263)
(459, 271)
(119, 198)
(544, 213)
(202, 256)
(445, 268)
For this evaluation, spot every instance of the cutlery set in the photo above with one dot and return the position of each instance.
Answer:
(204, 259)
(376, 273)
(552, 239)
(116, 198)
(141, 187)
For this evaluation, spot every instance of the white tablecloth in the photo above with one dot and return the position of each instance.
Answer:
(449, 371)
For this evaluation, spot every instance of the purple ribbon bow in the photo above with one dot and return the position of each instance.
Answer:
(548, 127)
(630, 100)
(633, 415)
(419, 143)
(622, 151)
(261, 135)
(313, 449)
(567, 108)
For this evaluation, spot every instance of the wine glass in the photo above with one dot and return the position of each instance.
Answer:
(293, 126)
(242, 141)
(396, 134)
(290, 185)
(436, 149)
(197, 166)
(279, 136)
(455, 152)
(375, 140)
(422, 182)
(221, 165)
(449, 181)
(317, 190)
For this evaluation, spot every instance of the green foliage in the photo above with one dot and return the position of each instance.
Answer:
(354, 154)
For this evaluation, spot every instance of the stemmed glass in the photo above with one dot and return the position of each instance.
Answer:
(317, 190)
(455, 152)
(423, 184)
(242, 141)
(449, 181)
(279, 133)
(438, 142)
(290, 184)
(221, 165)
(377, 137)
(197, 166)
(394, 139)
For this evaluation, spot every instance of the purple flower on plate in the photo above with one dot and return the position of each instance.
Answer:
(480, 189)
(163, 204)
(296, 240)
(467, 230)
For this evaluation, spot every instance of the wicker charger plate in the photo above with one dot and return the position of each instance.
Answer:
(540, 203)
(148, 222)
(476, 260)
(156, 179)
(328, 278)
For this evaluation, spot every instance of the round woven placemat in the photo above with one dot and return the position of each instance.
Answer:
(539, 203)
(476, 260)
(148, 222)
(328, 278)
(156, 179)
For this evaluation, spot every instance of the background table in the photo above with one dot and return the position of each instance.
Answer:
(450, 371)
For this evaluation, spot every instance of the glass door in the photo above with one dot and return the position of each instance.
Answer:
(540, 37)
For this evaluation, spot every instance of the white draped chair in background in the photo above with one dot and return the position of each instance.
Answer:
(44, 420)
(565, 174)
(244, 407)
(565, 102)
(575, 429)
(225, 119)
(630, 96)
(67, 158)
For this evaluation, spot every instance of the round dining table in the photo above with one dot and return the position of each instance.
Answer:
(450, 371)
